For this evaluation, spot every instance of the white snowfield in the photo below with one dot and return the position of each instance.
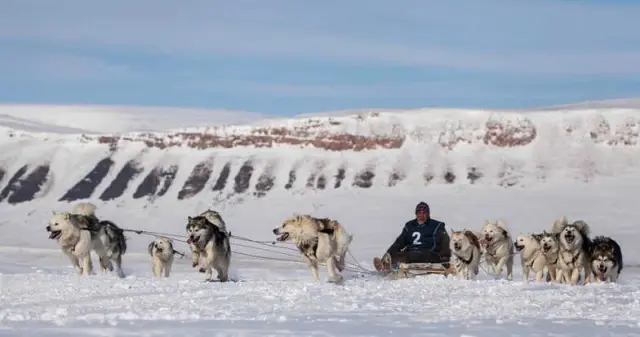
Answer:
(40, 294)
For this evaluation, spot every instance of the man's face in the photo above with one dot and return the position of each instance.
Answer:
(422, 216)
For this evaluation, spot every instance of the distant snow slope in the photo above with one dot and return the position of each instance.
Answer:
(105, 119)
(366, 150)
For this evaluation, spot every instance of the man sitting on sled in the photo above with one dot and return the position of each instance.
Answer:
(422, 240)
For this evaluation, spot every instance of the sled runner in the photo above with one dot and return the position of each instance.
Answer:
(409, 270)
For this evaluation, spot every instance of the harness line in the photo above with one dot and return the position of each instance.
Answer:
(354, 267)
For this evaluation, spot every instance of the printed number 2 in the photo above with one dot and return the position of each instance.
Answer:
(416, 238)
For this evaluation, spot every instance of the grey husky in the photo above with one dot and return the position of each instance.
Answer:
(212, 244)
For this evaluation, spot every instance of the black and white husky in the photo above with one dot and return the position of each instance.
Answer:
(606, 259)
(214, 218)
(79, 232)
(573, 253)
(212, 244)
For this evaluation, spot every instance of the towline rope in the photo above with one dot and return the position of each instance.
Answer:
(354, 267)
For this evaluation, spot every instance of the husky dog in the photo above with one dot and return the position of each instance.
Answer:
(531, 256)
(465, 254)
(162, 252)
(550, 248)
(79, 234)
(214, 218)
(498, 247)
(212, 244)
(573, 253)
(320, 240)
(606, 259)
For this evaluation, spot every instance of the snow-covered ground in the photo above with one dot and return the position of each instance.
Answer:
(41, 295)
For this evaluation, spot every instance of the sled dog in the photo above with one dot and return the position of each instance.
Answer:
(214, 218)
(550, 248)
(573, 253)
(531, 255)
(212, 245)
(320, 240)
(161, 252)
(465, 254)
(81, 232)
(606, 259)
(498, 247)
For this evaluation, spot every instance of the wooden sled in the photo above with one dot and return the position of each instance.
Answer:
(409, 270)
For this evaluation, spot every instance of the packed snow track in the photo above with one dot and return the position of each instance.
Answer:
(42, 295)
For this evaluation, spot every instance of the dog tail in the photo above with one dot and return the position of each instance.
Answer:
(84, 208)
(215, 219)
(116, 235)
(559, 224)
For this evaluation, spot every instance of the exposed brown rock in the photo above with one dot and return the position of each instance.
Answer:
(261, 138)
(509, 134)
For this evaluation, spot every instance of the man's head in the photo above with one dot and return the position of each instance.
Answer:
(422, 212)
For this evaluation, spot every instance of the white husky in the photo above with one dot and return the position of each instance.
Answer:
(465, 254)
(162, 252)
(498, 247)
(531, 256)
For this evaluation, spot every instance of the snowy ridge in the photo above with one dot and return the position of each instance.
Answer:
(366, 150)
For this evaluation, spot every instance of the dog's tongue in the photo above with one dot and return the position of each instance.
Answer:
(52, 235)
(189, 241)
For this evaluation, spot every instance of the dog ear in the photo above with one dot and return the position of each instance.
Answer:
(150, 248)
(189, 218)
(537, 237)
(505, 234)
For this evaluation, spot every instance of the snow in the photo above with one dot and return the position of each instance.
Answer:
(40, 294)
(113, 119)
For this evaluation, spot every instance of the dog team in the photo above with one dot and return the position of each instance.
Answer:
(563, 253)
(79, 232)
(566, 253)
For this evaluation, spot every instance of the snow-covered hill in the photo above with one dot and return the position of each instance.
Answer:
(234, 155)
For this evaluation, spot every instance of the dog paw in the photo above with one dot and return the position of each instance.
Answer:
(201, 270)
(195, 264)
(336, 279)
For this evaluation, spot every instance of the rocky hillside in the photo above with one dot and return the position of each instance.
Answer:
(362, 151)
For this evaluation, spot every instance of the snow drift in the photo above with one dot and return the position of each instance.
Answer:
(311, 154)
